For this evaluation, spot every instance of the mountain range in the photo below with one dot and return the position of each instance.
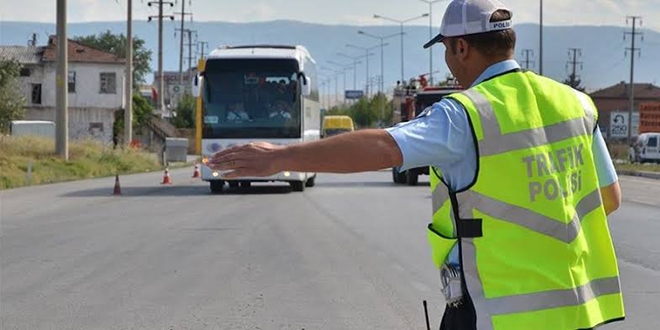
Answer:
(603, 59)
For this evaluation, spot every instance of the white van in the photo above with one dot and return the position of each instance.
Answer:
(647, 148)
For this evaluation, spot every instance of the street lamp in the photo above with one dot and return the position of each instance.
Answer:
(335, 75)
(367, 54)
(343, 67)
(355, 63)
(382, 66)
(431, 2)
(401, 22)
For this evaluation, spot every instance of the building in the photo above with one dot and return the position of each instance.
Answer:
(613, 105)
(95, 86)
(174, 87)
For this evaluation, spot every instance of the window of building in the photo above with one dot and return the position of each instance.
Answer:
(72, 82)
(25, 72)
(36, 93)
(108, 83)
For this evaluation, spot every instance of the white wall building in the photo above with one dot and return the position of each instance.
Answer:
(95, 82)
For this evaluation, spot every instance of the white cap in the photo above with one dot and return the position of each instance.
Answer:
(464, 17)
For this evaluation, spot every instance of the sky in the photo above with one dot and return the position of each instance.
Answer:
(351, 12)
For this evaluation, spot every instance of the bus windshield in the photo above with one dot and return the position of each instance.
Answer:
(251, 98)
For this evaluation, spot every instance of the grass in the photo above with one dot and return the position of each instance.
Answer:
(638, 167)
(87, 159)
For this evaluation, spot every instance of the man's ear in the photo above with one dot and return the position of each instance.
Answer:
(462, 49)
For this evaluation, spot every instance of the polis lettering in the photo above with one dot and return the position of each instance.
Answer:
(543, 168)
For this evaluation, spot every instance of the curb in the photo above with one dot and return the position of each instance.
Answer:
(643, 174)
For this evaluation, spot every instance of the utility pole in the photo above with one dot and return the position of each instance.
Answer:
(128, 109)
(202, 43)
(161, 83)
(541, 37)
(190, 54)
(431, 2)
(183, 20)
(61, 84)
(526, 53)
(574, 62)
(632, 50)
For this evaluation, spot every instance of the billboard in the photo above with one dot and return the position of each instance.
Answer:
(649, 117)
(619, 124)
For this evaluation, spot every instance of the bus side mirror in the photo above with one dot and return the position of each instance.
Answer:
(197, 85)
(306, 86)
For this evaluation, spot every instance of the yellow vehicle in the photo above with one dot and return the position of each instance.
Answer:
(333, 125)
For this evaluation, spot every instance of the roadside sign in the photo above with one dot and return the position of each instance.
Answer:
(353, 95)
(619, 124)
(649, 117)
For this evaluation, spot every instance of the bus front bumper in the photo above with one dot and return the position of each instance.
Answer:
(210, 175)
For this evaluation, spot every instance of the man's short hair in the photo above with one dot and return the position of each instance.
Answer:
(491, 44)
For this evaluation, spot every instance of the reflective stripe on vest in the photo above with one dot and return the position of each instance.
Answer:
(568, 273)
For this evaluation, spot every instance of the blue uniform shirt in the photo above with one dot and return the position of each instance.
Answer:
(441, 137)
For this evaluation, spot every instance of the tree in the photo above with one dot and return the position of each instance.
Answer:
(116, 44)
(185, 112)
(142, 112)
(574, 82)
(11, 100)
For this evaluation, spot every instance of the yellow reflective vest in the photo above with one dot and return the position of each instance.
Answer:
(534, 245)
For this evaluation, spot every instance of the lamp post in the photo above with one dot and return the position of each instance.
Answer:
(430, 2)
(541, 37)
(382, 61)
(335, 75)
(401, 22)
(367, 54)
(355, 63)
(344, 68)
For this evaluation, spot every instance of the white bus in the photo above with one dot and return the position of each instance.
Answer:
(256, 93)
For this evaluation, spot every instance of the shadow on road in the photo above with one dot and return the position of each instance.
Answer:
(371, 184)
(177, 191)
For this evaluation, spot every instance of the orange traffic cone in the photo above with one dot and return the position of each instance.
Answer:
(166, 177)
(117, 190)
(196, 173)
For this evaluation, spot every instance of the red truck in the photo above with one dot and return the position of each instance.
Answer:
(412, 100)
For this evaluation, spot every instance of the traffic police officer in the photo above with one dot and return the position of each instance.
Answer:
(521, 180)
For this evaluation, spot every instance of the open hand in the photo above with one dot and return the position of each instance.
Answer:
(258, 159)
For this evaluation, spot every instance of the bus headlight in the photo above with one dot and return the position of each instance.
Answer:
(287, 174)
(215, 174)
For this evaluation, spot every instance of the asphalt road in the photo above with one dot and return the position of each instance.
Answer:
(349, 253)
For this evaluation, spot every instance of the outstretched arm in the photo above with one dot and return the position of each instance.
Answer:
(359, 151)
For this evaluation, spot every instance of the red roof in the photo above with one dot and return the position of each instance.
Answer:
(80, 53)
(620, 91)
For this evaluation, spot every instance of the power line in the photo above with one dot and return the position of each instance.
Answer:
(573, 78)
(527, 61)
(183, 14)
(202, 43)
(632, 50)
(160, 16)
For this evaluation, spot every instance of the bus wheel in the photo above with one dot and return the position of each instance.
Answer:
(216, 186)
(297, 185)
(246, 184)
(233, 184)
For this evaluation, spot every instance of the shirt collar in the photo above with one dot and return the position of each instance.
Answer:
(496, 69)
